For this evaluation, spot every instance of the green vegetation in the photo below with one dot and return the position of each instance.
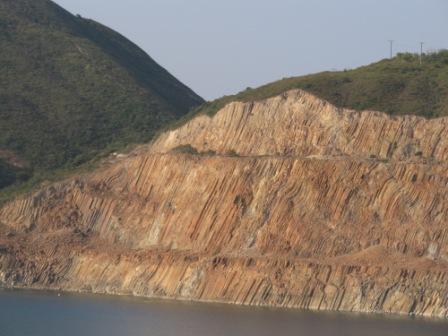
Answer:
(72, 90)
(397, 86)
(10, 174)
(189, 149)
(186, 149)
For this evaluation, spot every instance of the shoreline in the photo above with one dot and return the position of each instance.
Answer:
(173, 300)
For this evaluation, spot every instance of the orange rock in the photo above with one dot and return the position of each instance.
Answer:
(286, 202)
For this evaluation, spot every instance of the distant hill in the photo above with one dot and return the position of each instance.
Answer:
(71, 88)
(396, 86)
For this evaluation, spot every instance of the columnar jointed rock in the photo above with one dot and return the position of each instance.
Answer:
(285, 202)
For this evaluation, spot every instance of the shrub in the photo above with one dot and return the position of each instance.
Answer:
(186, 149)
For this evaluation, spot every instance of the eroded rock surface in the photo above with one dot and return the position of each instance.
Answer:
(286, 202)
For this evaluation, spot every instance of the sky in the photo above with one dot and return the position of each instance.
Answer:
(220, 47)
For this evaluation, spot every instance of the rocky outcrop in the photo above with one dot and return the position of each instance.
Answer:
(287, 202)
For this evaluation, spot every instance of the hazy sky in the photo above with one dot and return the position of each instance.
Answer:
(220, 47)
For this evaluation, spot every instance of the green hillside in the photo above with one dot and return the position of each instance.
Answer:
(397, 86)
(71, 88)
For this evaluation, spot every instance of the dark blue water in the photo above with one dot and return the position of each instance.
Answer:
(46, 314)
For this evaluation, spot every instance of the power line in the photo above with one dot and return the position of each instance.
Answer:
(391, 48)
(421, 52)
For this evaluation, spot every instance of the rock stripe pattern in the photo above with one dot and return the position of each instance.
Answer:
(287, 202)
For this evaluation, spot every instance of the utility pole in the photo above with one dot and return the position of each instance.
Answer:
(421, 52)
(391, 48)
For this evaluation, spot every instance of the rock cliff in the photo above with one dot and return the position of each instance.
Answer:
(287, 202)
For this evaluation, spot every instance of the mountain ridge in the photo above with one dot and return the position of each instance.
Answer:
(73, 88)
(396, 86)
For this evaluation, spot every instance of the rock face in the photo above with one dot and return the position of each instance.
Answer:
(287, 202)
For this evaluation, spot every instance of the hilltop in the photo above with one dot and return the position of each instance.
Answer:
(72, 89)
(397, 86)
